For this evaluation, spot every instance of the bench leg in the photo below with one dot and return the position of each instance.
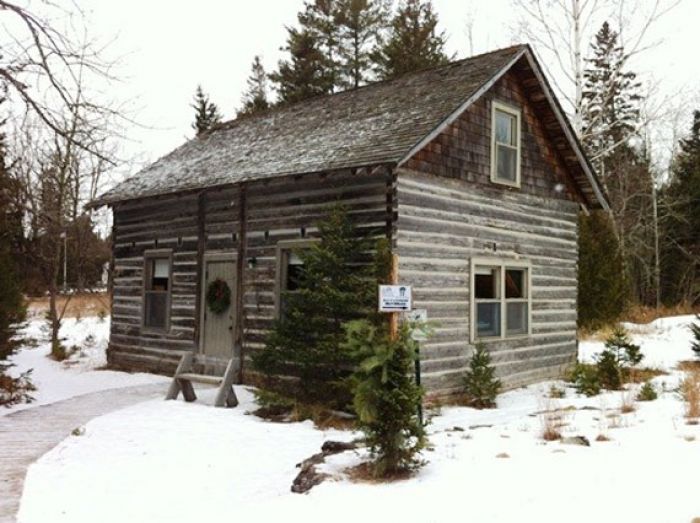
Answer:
(187, 390)
(231, 399)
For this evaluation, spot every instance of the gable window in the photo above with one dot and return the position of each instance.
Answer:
(157, 288)
(500, 299)
(505, 145)
(290, 271)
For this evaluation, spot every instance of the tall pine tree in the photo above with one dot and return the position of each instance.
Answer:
(611, 98)
(414, 41)
(255, 98)
(602, 291)
(361, 24)
(11, 301)
(681, 226)
(207, 113)
(611, 121)
(306, 72)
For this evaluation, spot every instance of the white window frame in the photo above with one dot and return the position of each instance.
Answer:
(513, 111)
(502, 265)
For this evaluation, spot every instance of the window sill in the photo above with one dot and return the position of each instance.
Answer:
(154, 330)
(506, 183)
(489, 339)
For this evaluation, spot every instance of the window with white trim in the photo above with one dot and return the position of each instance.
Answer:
(505, 145)
(500, 299)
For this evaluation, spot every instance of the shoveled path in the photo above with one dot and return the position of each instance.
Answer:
(28, 434)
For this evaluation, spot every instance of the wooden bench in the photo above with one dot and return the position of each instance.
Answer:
(185, 376)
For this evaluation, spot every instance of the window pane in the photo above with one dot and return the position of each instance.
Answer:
(156, 309)
(295, 269)
(161, 268)
(505, 126)
(159, 274)
(515, 283)
(506, 160)
(486, 284)
(488, 319)
(516, 318)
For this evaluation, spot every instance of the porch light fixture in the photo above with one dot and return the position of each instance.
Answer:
(252, 262)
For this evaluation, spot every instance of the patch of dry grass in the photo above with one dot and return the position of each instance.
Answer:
(690, 390)
(640, 314)
(689, 365)
(79, 305)
(551, 421)
(366, 473)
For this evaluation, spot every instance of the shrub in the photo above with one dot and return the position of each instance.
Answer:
(608, 368)
(585, 379)
(480, 383)
(15, 390)
(647, 392)
(556, 392)
(690, 391)
(695, 329)
(385, 396)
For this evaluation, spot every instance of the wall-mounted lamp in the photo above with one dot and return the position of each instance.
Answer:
(252, 262)
(302, 231)
(559, 187)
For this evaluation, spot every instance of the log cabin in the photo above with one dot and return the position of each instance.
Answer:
(470, 169)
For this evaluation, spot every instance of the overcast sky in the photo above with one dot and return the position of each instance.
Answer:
(168, 47)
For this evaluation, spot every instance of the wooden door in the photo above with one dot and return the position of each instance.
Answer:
(218, 328)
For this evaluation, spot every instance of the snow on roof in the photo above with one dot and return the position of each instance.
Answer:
(375, 124)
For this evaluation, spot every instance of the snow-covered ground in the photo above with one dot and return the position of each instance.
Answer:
(171, 461)
(77, 375)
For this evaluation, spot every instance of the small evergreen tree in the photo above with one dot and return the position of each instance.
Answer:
(337, 285)
(207, 113)
(255, 98)
(695, 329)
(619, 356)
(626, 353)
(647, 392)
(414, 41)
(480, 383)
(386, 398)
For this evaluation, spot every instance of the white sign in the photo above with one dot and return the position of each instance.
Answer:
(394, 298)
(419, 316)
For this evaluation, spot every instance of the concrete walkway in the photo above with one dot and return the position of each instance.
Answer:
(28, 434)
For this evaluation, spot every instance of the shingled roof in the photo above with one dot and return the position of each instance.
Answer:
(381, 123)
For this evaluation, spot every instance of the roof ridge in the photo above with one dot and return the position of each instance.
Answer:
(228, 124)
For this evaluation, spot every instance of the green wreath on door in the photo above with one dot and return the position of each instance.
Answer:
(218, 296)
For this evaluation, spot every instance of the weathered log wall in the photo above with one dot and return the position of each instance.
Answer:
(449, 212)
(442, 225)
(248, 219)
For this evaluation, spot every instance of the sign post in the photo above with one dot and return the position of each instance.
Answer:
(418, 335)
